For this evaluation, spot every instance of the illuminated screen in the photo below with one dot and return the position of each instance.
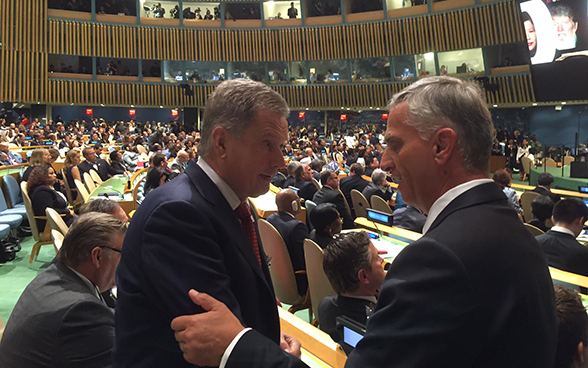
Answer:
(351, 337)
(557, 40)
(380, 217)
(583, 189)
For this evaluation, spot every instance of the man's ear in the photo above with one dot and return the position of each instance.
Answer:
(219, 141)
(444, 144)
(362, 277)
(96, 256)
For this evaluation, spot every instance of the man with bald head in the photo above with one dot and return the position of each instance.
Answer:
(293, 232)
(8, 158)
(180, 163)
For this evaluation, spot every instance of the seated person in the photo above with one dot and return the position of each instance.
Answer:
(293, 232)
(94, 163)
(290, 179)
(327, 223)
(156, 177)
(60, 319)
(559, 244)
(572, 329)
(374, 164)
(72, 160)
(353, 181)
(541, 208)
(330, 193)
(43, 195)
(379, 186)
(105, 205)
(40, 156)
(409, 218)
(502, 178)
(130, 157)
(280, 178)
(306, 187)
(544, 183)
(356, 272)
(116, 163)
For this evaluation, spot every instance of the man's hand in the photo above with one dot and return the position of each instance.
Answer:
(290, 345)
(204, 337)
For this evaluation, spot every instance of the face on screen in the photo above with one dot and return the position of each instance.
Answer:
(531, 35)
(565, 30)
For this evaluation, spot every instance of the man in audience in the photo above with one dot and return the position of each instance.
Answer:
(293, 231)
(372, 165)
(180, 163)
(306, 187)
(544, 183)
(379, 186)
(356, 272)
(330, 193)
(327, 223)
(317, 166)
(61, 320)
(279, 180)
(409, 218)
(559, 244)
(11, 158)
(353, 181)
(449, 291)
(199, 232)
(105, 205)
(94, 163)
(572, 329)
(541, 209)
(291, 179)
(116, 166)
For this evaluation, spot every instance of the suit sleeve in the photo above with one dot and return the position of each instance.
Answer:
(345, 215)
(86, 336)
(421, 319)
(256, 351)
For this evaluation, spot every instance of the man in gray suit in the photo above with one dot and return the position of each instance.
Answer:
(61, 319)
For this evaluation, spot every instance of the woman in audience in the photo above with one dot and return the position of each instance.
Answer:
(156, 177)
(42, 194)
(502, 178)
(72, 172)
(327, 223)
(40, 156)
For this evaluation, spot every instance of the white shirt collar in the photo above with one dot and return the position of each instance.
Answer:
(561, 229)
(224, 188)
(448, 197)
(88, 283)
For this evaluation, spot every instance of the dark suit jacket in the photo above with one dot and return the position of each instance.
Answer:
(334, 306)
(42, 197)
(474, 291)
(117, 168)
(293, 232)
(372, 189)
(563, 252)
(290, 182)
(58, 322)
(100, 165)
(409, 218)
(328, 195)
(349, 183)
(321, 238)
(185, 236)
(306, 189)
(279, 180)
(554, 197)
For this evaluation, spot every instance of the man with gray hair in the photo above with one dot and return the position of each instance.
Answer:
(61, 319)
(470, 291)
(378, 186)
(197, 232)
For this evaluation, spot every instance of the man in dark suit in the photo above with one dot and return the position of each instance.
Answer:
(196, 232)
(291, 179)
(304, 183)
(379, 186)
(356, 272)
(353, 181)
(559, 244)
(279, 180)
(475, 283)
(544, 183)
(330, 193)
(372, 164)
(61, 320)
(293, 231)
(93, 162)
(409, 218)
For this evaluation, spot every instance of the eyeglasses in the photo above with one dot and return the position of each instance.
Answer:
(114, 249)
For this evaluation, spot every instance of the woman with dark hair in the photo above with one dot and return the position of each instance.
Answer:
(530, 33)
(327, 223)
(42, 194)
(155, 177)
(502, 178)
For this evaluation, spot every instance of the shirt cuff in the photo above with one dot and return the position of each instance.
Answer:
(231, 346)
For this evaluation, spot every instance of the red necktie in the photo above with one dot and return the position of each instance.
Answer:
(244, 215)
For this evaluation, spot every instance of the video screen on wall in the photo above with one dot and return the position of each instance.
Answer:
(557, 39)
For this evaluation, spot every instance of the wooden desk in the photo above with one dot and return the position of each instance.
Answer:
(568, 277)
(112, 185)
(391, 231)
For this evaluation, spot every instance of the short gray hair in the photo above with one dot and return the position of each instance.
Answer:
(292, 166)
(438, 102)
(86, 233)
(377, 176)
(102, 205)
(233, 106)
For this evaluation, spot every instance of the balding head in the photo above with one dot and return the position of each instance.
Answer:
(183, 156)
(4, 147)
(285, 199)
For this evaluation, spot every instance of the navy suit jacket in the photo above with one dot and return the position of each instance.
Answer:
(185, 236)
(554, 197)
(306, 189)
(100, 166)
(293, 232)
(334, 306)
(328, 195)
(563, 252)
(349, 183)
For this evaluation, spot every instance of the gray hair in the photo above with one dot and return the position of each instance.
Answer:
(292, 166)
(438, 102)
(234, 105)
(377, 176)
(102, 205)
(89, 231)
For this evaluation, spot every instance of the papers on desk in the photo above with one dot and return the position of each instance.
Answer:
(392, 249)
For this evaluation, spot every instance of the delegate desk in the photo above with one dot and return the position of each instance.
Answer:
(116, 185)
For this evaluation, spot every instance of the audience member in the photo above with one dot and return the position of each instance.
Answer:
(330, 193)
(116, 166)
(409, 218)
(180, 163)
(60, 319)
(105, 205)
(40, 156)
(94, 163)
(544, 183)
(572, 329)
(559, 244)
(156, 177)
(11, 158)
(293, 232)
(327, 223)
(279, 180)
(353, 181)
(43, 195)
(292, 11)
(130, 158)
(541, 209)
(502, 178)
(291, 179)
(374, 164)
(378, 186)
(72, 160)
(306, 187)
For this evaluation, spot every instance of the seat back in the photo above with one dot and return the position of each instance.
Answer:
(526, 199)
(345, 201)
(526, 164)
(82, 191)
(12, 190)
(134, 178)
(90, 185)
(318, 283)
(534, 230)
(55, 221)
(30, 213)
(141, 149)
(379, 204)
(316, 183)
(310, 205)
(568, 160)
(549, 162)
(96, 177)
(281, 269)
(136, 191)
(68, 190)
(360, 204)
(57, 239)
